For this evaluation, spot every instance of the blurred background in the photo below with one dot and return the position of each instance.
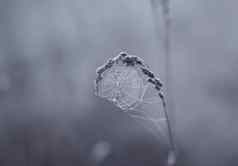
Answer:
(49, 51)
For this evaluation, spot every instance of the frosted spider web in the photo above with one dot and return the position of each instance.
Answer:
(129, 84)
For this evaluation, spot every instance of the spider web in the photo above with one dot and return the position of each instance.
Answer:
(128, 83)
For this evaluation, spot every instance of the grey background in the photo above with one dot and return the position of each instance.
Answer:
(49, 51)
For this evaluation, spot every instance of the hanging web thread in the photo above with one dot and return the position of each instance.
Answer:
(128, 83)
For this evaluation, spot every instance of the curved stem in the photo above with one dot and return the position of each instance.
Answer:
(171, 159)
(165, 4)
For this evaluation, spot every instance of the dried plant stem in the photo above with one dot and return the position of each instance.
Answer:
(172, 154)
(170, 114)
(168, 58)
(169, 107)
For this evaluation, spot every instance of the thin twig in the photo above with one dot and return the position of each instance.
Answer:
(172, 158)
(167, 48)
(169, 108)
